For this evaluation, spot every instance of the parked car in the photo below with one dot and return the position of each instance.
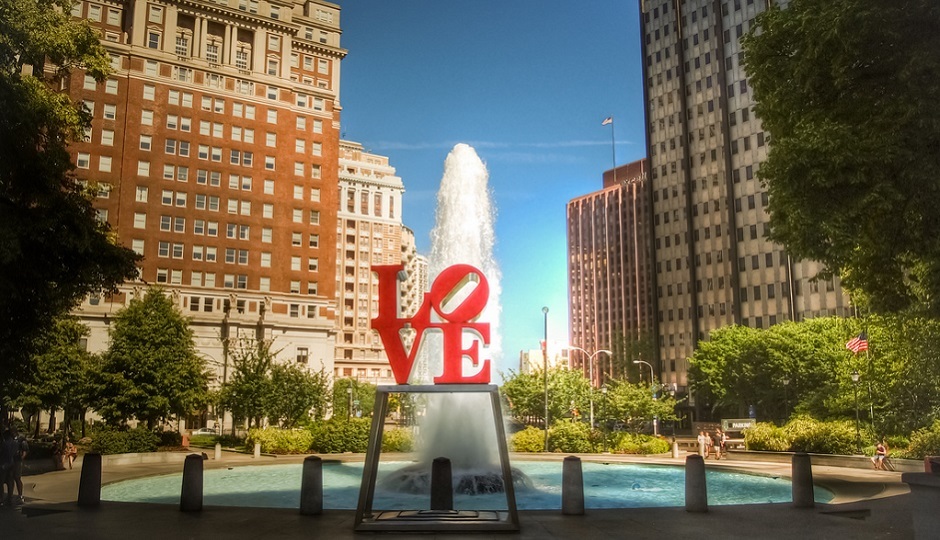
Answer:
(204, 431)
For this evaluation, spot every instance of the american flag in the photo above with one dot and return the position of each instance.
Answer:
(858, 343)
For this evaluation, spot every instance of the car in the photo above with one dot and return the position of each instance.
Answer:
(204, 431)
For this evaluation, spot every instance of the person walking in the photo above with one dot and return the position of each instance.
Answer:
(22, 448)
(7, 450)
(716, 443)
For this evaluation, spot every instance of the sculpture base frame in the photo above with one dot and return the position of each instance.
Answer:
(442, 521)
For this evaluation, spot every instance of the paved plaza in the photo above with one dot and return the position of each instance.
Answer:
(868, 504)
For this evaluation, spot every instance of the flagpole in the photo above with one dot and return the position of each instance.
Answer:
(871, 401)
(613, 148)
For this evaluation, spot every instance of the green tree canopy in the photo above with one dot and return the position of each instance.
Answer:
(150, 370)
(849, 93)
(568, 390)
(246, 393)
(897, 390)
(53, 250)
(297, 394)
(362, 392)
(59, 379)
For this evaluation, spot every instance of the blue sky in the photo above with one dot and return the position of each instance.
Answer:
(527, 84)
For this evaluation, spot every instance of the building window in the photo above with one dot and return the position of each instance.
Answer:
(241, 59)
(83, 161)
(153, 40)
(182, 45)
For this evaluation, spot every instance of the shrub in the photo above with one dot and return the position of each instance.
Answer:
(107, 441)
(570, 437)
(340, 435)
(637, 443)
(397, 440)
(766, 436)
(280, 441)
(530, 439)
(170, 438)
(925, 442)
(807, 434)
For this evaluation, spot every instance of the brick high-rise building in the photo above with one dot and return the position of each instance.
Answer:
(714, 265)
(214, 145)
(609, 277)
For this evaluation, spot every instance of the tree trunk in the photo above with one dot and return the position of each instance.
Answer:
(51, 421)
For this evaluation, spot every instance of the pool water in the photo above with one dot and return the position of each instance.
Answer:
(605, 486)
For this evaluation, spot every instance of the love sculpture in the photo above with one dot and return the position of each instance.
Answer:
(453, 307)
(436, 313)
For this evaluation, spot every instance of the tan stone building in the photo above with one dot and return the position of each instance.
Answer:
(214, 146)
(714, 265)
(369, 233)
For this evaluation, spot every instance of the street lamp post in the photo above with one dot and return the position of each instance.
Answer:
(545, 371)
(591, 373)
(858, 436)
(604, 391)
(653, 390)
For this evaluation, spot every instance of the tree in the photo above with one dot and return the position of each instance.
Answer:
(59, 376)
(847, 90)
(568, 390)
(53, 249)
(362, 397)
(150, 370)
(296, 393)
(635, 406)
(246, 393)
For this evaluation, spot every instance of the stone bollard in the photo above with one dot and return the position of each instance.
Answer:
(191, 494)
(696, 490)
(675, 449)
(311, 487)
(572, 487)
(442, 485)
(802, 483)
(89, 486)
(218, 451)
(257, 450)
(924, 501)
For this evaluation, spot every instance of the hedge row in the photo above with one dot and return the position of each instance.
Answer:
(577, 438)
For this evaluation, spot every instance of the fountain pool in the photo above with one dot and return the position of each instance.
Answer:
(605, 486)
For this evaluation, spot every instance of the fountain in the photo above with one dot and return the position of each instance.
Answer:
(463, 234)
(454, 339)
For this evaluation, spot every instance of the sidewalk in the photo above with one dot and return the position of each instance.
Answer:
(869, 504)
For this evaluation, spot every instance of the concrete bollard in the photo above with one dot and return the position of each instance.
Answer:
(218, 451)
(924, 501)
(89, 486)
(311, 487)
(191, 494)
(257, 450)
(802, 483)
(696, 490)
(442, 485)
(675, 449)
(572, 487)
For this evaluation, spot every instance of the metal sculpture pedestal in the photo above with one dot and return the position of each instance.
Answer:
(442, 521)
